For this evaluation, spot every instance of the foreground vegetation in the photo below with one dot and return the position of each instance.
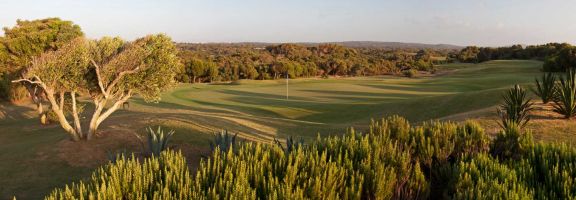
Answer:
(393, 160)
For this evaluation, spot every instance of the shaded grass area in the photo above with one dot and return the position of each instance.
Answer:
(26, 169)
(32, 155)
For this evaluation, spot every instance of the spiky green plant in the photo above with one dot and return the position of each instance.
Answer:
(158, 140)
(223, 141)
(515, 110)
(115, 155)
(565, 100)
(291, 144)
(545, 88)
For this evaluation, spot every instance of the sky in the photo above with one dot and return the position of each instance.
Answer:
(459, 22)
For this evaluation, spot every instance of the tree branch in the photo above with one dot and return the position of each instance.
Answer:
(114, 107)
(99, 77)
(26, 80)
(62, 101)
(77, 124)
(120, 75)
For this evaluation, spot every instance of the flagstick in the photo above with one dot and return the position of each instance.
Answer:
(286, 86)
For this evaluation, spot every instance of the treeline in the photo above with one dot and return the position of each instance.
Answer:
(392, 160)
(28, 40)
(556, 56)
(230, 62)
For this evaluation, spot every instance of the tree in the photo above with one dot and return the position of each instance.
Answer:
(23, 42)
(109, 70)
(196, 68)
(469, 54)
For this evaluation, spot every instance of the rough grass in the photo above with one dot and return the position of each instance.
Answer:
(37, 158)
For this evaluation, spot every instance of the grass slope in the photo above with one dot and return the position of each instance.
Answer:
(260, 109)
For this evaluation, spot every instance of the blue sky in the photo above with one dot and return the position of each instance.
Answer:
(461, 22)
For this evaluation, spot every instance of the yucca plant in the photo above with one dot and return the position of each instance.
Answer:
(291, 144)
(545, 88)
(223, 140)
(565, 99)
(157, 140)
(515, 111)
(115, 155)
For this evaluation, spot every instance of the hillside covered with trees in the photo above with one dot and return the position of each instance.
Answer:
(557, 57)
(230, 62)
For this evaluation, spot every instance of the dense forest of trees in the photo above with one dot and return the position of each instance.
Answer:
(556, 56)
(229, 62)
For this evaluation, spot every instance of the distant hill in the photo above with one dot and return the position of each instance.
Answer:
(352, 44)
(397, 45)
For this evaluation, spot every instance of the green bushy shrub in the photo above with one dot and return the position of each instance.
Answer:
(393, 160)
(410, 73)
(483, 177)
(163, 177)
(4, 87)
(511, 143)
(551, 170)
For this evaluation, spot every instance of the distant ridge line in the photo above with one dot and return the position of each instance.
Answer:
(352, 44)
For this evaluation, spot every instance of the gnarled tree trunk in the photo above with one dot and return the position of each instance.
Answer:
(58, 108)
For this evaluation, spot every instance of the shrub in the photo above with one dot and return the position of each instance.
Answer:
(410, 73)
(470, 140)
(4, 87)
(352, 166)
(485, 178)
(511, 143)
(515, 111)
(545, 88)
(17, 92)
(392, 161)
(163, 177)
(565, 101)
(550, 169)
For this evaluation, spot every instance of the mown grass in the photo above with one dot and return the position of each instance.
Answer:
(332, 105)
(31, 154)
